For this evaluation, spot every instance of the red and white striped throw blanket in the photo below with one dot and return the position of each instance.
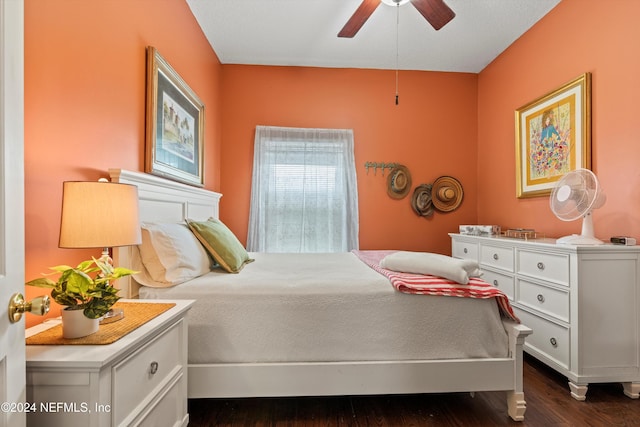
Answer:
(424, 284)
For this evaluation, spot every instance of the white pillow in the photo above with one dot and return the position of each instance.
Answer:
(142, 276)
(171, 254)
(458, 270)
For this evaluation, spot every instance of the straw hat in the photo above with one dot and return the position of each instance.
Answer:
(399, 182)
(446, 194)
(421, 200)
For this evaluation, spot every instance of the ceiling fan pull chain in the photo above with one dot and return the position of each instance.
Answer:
(397, 45)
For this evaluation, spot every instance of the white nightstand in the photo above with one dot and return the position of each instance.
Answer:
(140, 379)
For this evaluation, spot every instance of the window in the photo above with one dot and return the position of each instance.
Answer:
(304, 195)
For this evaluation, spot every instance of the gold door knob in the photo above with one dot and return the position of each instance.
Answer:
(17, 305)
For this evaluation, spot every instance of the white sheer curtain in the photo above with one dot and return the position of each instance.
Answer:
(303, 196)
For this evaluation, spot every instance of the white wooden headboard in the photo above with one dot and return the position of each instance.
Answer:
(161, 200)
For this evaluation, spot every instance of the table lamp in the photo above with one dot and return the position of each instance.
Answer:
(100, 214)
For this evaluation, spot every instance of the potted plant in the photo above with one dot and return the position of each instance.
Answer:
(86, 293)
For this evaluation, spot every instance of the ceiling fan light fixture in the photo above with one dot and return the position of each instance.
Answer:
(395, 2)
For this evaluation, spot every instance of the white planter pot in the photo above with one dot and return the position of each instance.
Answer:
(75, 324)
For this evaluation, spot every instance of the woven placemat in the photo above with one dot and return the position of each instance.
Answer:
(136, 314)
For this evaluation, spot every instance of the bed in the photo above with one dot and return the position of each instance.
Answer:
(281, 328)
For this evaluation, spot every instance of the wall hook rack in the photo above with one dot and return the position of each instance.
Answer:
(379, 165)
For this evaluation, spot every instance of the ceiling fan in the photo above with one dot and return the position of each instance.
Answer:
(436, 12)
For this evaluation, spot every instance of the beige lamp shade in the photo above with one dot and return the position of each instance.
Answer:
(99, 215)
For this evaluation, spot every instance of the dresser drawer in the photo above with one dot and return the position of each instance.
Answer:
(554, 302)
(497, 256)
(504, 282)
(545, 266)
(135, 378)
(548, 338)
(464, 250)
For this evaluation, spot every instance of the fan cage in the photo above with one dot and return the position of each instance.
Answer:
(584, 191)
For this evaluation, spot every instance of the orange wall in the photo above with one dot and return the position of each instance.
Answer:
(84, 113)
(432, 131)
(577, 36)
(85, 102)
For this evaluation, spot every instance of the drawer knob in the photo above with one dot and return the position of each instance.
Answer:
(153, 368)
(465, 250)
(553, 342)
(495, 282)
(540, 298)
(495, 257)
(540, 266)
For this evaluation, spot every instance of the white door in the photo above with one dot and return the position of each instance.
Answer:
(12, 363)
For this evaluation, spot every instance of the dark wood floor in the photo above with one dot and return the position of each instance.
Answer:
(546, 393)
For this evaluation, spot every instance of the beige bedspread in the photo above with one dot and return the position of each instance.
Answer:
(327, 307)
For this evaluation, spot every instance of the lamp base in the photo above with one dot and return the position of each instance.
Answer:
(112, 315)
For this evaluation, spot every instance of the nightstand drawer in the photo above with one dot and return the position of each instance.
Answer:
(503, 282)
(135, 378)
(464, 250)
(544, 299)
(497, 256)
(548, 338)
(545, 266)
(170, 409)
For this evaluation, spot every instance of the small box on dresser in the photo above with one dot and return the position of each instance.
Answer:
(140, 379)
(480, 230)
(582, 303)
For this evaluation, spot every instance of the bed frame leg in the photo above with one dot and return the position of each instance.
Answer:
(515, 398)
(516, 405)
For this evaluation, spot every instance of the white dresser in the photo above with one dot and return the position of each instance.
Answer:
(582, 303)
(140, 379)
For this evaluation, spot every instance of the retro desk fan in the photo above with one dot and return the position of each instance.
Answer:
(576, 195)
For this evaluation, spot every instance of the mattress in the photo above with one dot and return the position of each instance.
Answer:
(325, 308)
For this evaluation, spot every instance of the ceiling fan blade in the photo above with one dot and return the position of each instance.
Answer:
(435, 11)
(358, 18)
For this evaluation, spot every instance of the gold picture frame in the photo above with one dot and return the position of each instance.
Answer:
(174, 145)
(553, 137)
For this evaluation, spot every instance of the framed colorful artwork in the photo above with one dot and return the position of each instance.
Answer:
(553, 137)
(175, 124)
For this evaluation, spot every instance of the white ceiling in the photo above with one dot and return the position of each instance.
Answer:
(304, 33)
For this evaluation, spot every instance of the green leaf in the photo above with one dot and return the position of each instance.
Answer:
(43, 282)
(122, 272)
(84, 265)
(99, 307)
(61, 268)
(63, 298)
(78, 282)
(105, 268)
